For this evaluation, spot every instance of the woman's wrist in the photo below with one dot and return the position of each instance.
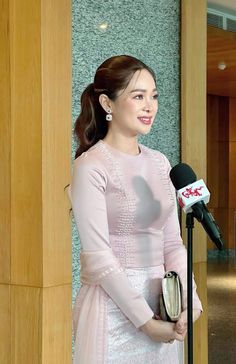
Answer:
(148, 327)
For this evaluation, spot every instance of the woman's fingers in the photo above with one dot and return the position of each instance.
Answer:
(180, 337)
(182, 324)
(162, 331)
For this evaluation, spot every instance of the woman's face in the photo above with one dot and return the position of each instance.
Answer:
(135, 108)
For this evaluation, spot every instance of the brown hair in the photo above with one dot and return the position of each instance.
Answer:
(112, 76)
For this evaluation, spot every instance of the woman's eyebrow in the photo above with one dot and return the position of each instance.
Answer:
(142, 90)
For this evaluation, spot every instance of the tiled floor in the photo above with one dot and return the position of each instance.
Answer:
(221, 283)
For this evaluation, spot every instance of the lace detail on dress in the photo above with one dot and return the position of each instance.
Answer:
(126, 199)
(161, 169)
(95, 277)
(95, 265)
(101, 339)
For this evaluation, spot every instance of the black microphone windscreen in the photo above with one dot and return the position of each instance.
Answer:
(182, 175)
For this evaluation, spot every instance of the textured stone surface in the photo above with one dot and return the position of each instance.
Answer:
(149, 30)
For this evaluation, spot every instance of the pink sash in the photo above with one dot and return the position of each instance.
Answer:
(90, 309)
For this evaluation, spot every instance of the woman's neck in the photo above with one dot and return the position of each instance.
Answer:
(128, 145)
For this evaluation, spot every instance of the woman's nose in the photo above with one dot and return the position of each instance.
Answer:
(148, 105)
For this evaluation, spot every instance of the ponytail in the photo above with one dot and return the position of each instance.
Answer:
(91, 125)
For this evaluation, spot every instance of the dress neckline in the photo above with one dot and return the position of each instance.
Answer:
(120, 153)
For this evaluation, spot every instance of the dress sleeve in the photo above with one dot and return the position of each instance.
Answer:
(87, 193)
(175, 254)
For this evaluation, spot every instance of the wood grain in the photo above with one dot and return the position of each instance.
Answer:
(232, 172)
(5, 338)
(193, 101)
(26, 146)
(35, 247)
(232, 227)
(213, 149)
(232, 119)
(41, 120)
(222, 164)
(40, 325)
(26, 325)
(5, 143)
(218, 150)
(221, 47)
(57, 325)
(56, 140)
(193, 138)
(232, 175)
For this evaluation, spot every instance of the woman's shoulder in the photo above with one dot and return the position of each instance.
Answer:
(91, 161)
(89, 167)
(93, 155)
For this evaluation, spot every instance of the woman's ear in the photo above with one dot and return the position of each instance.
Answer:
(105, 102)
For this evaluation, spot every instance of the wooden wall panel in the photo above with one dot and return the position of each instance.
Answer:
(218, 150)
(26, 325)
(40, 325)
(218, 162)
(26, 150)
(222, 164)
(232, 118)
(213, 149)
(232, 171)
(193, 100)
(232, 227)
(56, 340)
(223, 161)
(5, 339)
(35, 246)
(5, 142)
(232, 153)
(221, 46)
(56, 138)
(232, 175)
(193, 140)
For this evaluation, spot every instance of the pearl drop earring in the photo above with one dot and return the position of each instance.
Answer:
(109, 115)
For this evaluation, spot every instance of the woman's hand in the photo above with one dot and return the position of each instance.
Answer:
(182, 324)
(162, 331)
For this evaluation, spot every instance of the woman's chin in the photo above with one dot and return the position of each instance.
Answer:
(144, 132)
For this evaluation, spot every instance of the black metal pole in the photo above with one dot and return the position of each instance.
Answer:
(190, 226)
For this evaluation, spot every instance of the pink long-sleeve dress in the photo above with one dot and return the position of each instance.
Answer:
(125, 210)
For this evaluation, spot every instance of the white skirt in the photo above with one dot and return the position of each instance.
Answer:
(126, 343)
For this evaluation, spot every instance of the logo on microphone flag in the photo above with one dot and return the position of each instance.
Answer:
(193, 193)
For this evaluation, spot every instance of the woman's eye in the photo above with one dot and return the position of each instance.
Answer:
(138, 97)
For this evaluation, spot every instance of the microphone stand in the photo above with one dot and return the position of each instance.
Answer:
(190, 226)
(215, 236)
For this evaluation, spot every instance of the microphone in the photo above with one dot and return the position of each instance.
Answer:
(193, 196)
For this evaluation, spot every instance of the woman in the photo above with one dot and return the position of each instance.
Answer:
(125, 210)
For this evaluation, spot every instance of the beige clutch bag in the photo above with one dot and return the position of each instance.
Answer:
(171, 297)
